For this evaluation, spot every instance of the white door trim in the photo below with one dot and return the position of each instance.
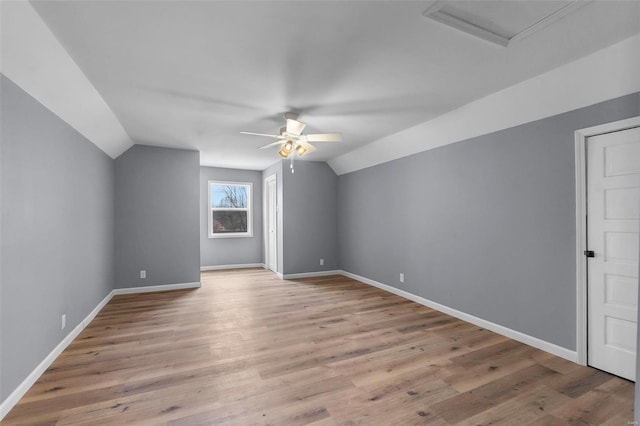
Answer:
(581, 137)
(265, 215)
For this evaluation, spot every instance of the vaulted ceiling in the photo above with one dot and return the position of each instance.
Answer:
(194, 74)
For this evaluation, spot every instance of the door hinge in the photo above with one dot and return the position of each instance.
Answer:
(589, 253)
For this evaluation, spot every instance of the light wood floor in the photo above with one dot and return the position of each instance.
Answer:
(250, 349)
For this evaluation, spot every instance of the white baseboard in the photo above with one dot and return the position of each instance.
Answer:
(14, 397)
(280, 275)
(505, 331)
(154, 288)
(310, 274)
(235, 266)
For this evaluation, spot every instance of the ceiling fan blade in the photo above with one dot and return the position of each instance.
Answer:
(306, 145)
(325, 137)
(261, 134)
(295, 127)
(271, 144)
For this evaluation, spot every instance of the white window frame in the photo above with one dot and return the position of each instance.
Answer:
(248, 209)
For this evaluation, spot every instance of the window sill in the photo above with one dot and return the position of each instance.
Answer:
(243, 235)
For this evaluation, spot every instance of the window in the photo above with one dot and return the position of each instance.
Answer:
(230, 212)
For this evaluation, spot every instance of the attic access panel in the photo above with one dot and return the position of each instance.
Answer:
(500, 22)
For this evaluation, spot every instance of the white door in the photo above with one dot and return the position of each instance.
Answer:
(613, 213)
(271, 224)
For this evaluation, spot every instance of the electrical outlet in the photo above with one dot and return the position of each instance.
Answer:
(401, 277)
(321, 262)
(64, 321)
(143, 274)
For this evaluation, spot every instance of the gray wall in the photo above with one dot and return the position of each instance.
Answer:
(157, 216)
(231, 251)
(277, 169)
(485, 226)
(57, 232)
(310, 217)
(637, 388)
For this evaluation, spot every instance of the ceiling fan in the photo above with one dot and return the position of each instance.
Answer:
(291, 138)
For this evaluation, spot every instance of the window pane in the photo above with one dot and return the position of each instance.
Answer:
(233, 196)
(229, 221)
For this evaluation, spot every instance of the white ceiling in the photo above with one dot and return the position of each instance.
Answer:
(195, 74)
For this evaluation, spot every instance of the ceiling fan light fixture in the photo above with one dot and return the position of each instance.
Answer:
(283, 153)
(291, 139)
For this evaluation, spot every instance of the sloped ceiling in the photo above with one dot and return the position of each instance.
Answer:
(194, 74)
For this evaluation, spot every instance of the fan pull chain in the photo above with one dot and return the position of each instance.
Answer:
(291, 166)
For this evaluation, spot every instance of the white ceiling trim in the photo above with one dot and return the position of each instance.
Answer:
(438, 13)
(34, 59)
(600, 76)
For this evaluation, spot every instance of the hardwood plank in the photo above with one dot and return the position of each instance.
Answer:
(472, 402)
(250, 349)
(527, 408)
(599, 405)
(580, 381)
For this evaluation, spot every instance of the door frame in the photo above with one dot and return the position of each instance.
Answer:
(265, 215)
(581, 137)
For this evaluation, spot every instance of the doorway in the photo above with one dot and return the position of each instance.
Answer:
(271, 223)
(608, 174)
